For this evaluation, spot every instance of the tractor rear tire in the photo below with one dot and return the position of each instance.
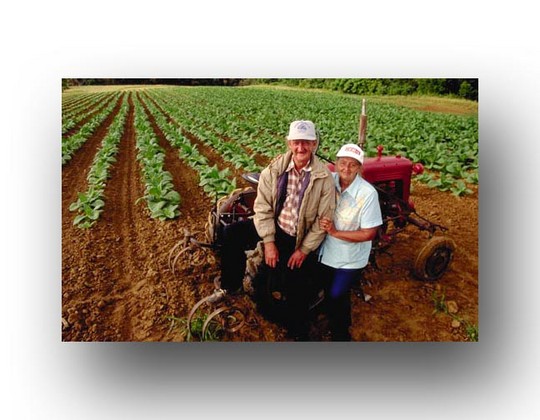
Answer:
(434, 258)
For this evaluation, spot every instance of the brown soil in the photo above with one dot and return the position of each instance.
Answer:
(117, 284)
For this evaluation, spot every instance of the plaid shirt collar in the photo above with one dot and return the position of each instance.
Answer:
(306, 168)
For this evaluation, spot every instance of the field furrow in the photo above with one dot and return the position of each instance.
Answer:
(213, 156)
(86, 114)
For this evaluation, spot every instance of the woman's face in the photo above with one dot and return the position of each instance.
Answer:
(347, 169)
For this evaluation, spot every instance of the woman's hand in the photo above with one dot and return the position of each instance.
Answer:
(327, 225)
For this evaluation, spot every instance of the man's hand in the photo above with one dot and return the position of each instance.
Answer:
(271, 254)
(296, 260)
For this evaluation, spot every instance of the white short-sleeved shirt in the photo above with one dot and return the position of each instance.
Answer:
(357, 208)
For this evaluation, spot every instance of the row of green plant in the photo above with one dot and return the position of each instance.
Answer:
(258, 119)
(75, 100)
(203, 126)
(161, 198)
(71, 104)
(242, 121)
(73, 116)
(253, 137)
(90, 204)
(71, 144)
(215, 182)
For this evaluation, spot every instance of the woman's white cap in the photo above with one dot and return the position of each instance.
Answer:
(352, 151)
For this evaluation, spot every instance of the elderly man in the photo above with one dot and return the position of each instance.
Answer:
(295, 191)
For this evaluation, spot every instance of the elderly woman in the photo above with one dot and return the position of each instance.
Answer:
(346, 248)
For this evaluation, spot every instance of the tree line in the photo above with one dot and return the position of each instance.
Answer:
(462, 88)
(166, 81)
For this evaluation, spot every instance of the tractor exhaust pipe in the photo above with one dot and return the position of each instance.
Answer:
(363, 126)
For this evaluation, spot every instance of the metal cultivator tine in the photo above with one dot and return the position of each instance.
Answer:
(178, 256)
(171, 252)
(184, 241)
(188, 243)
(194, 310)
(228, 310)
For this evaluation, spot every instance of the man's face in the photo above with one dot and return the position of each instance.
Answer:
(302, 151)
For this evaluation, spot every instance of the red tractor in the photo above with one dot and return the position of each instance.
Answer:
(391, 177)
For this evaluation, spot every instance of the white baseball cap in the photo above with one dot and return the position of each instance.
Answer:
(302, 130)
(352, 151)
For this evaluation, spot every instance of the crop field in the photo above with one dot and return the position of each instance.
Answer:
(143, 165)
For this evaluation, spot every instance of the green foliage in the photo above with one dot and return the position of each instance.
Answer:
(460, 188)
(213, 332)
(215, 182)
(161, 198)
(239, 122)
(439, 302)
(71, 144)
(471, 330)
(89, 205)
(464, 88)
(430, 86)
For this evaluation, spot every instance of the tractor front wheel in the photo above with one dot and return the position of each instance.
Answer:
(434, 258)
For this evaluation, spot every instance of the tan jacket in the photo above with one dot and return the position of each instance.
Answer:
(319, 200)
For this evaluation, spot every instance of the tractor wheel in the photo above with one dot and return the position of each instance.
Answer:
(433, 260)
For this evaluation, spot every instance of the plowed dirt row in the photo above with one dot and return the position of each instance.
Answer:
(89, 111)
(117, 284)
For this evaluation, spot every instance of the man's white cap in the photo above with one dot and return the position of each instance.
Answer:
(302, 130)
(352, 151)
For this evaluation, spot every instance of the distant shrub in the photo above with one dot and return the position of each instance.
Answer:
(466, 90)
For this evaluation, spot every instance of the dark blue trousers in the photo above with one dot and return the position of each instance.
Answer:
(337, 287)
